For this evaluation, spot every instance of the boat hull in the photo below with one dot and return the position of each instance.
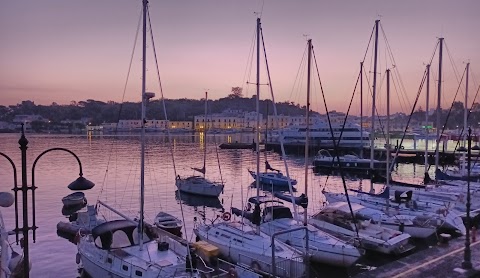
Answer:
(203, 189)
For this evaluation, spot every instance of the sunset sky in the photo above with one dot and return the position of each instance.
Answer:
(63, 51)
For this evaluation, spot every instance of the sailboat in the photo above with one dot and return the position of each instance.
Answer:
(10, 261)
(323, 247)
(244, 244)
(127, 248)
(199, 185)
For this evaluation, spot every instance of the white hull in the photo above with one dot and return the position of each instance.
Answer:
(395, 245)
(255, 252)
(204, 188)
(323, 247)
(451, 220)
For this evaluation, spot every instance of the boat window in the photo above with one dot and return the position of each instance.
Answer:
(226, 236)
(120, 239)
(138, 273)
(109, 260)
(124, 267)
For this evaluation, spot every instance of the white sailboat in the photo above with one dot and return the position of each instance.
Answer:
(199, 185)
(10, 261)
(323, 247)
(336, 219)
(246, 245)
(125, 248)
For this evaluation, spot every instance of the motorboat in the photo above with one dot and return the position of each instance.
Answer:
(169, 223)
(348, 162)
(337, 220)
(74, 199)
(274, 178)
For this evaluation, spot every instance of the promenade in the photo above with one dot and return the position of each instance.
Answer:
(442, 260)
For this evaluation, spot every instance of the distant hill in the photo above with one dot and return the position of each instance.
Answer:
(177, 109)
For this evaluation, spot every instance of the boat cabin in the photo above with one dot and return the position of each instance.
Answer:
(117, 234)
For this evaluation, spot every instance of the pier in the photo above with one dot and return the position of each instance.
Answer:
(442, 260)
(404, 155)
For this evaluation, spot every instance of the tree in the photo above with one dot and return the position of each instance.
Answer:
(236, 92)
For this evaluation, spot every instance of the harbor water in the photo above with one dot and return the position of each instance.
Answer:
(113, 164)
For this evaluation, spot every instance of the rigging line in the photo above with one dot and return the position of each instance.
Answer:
(218, 158)
(368, 45)
(335, 146)
(424, 78)
(166, 120)
(452, 63)
(170, 143)
(121, 106)
(469, 112)
(302, 61)
(450, 110)
(390, 52)
(248, 66)
(290, 188)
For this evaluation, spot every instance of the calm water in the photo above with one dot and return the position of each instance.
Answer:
(113, 164)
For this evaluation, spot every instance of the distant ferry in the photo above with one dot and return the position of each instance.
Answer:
(320, 135)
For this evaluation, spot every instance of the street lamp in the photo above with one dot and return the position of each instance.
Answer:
(80, 183)
(467, 255)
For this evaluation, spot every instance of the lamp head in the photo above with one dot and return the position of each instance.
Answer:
(81, 183)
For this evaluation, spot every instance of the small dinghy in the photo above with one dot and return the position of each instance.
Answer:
(169, 223)
(74, 199)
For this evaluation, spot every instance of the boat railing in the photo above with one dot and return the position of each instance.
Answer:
(284, 267)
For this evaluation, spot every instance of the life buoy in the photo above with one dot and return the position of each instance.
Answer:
(226, 216)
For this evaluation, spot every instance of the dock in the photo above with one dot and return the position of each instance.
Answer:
(404, 155)
(442, 260)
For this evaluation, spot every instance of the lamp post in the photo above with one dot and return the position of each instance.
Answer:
(79, 184)
(467, 255)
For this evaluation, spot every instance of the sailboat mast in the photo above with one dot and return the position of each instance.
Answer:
(426, 118)
(437, 151)
(205, 136)
(388, 133)
(361, 109)
(374, 96)
(257, 127)
(144, 99)
(307, 137)
(465, 115)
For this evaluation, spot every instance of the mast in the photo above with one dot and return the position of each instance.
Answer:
(437, 151)
(144, 99)
(361, 109)
(388, 133)
(257, 128)
(426, 119)
(465, 116)
(307, 137)
(205, 136)
(372, 133)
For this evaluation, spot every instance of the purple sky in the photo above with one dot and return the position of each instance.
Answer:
(59, 51)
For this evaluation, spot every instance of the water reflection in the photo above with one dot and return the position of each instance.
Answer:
(198, 201)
